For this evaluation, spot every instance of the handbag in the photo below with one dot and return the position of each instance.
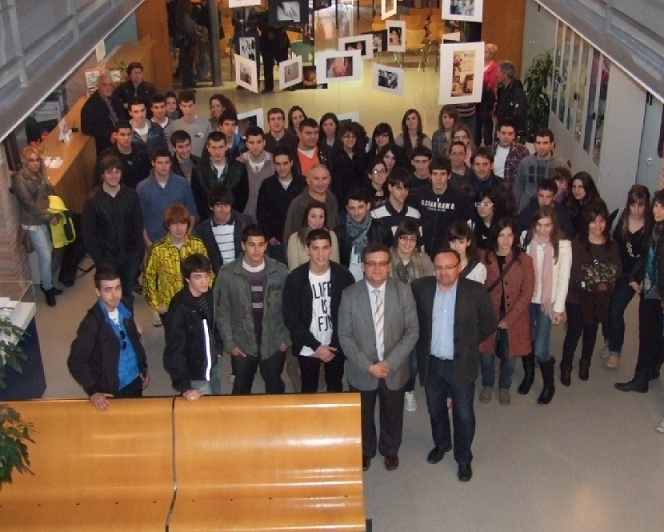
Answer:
(598, 276)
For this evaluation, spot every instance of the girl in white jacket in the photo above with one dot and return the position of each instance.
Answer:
(552, 257)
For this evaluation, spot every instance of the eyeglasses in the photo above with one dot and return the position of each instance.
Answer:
(375, 172)
(484, 204)
(407, 238)
(446, 267)
(377, 263)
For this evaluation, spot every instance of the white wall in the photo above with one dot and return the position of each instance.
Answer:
(539, 33)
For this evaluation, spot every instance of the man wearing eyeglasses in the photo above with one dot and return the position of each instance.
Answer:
(378, 329)
(448, 353)
(106, 357)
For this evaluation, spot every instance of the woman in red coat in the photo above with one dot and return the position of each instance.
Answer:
(510, 282)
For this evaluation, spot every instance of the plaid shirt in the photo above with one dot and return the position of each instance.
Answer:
(517, 153)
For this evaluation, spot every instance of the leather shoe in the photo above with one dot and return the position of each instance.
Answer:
(366, 462)
(437, 454)
(632, 386)
(565, 375)
(391, 462)
(465, 472)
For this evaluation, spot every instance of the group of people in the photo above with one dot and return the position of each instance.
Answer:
(315, 249)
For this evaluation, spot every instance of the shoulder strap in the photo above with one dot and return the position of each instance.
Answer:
(502, 274)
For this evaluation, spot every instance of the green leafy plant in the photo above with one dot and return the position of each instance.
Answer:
(11, 355)
(14, 437)
(536, 85)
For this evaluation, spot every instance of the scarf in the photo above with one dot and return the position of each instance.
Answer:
(357, 231)
(547, 270)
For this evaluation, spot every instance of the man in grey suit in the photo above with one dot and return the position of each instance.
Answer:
(448, 354)
(377, 331)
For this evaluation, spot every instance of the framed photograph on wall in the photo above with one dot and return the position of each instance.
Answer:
(364, 43)
(388, 8)
(290, 72)
(465, 10)
(461, 73)
(246, 73)
(249, 118)
(388, 79)
(396, 35)
(338, 66)
(288, 12)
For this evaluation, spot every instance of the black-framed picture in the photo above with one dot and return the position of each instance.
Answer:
(322, 4)
(288, 12)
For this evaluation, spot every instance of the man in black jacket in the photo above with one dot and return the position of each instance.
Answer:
(193, 349)
(112, 224)
(101, 112)
(311, 299)
(135, 87)
(106, 357)
(511, 99)
(135, 160)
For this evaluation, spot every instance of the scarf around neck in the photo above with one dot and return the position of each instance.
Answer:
(547, 270)
(357, 231)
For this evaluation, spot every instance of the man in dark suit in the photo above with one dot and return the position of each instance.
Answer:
(377, 331)
(448, 354)
(101, 112)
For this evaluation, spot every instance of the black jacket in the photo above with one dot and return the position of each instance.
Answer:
(136, 166)
(235, 177)
(512, 103)
(185, 357)
(378, 232)
(177, 169)
(113, 226)
(145, 91)
(347, 174)
(96, 119)
(273, 202)
(204, 231)
(298, 305)
(95, 353)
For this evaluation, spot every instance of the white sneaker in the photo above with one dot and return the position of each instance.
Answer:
(604, 353)
(660, 427)
(411, 404)
(613, 361)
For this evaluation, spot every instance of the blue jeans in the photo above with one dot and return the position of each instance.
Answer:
(507, 363)
(540, 331)
(213, 386)
(614, 327)
(41, 240)
(438, 387)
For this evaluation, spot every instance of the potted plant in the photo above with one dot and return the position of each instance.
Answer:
(536, 85)
(15, 433)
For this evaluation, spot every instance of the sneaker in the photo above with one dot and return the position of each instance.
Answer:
(486, 394)
(660, 427)
(613, 361)
(604, 353)
(504, 397)
(410, 404)
(157, 321)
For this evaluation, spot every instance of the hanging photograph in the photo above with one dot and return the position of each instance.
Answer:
(379, 41)
(387, 8)
(288, 12)
(460, 65)
(338, 66)
(388, 79)
(243, 3)
(246, 73)
(347, 118)
(466, 10)
(322, 4)
(248, 119)
(248, 47)
(396, 35)
(290, 72)
(364, 43)
(309, 79)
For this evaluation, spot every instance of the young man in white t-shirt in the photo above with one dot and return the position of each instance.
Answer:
(311, 314)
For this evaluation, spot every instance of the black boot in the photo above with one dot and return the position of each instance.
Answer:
(50, 296)
(528, 373)
(584, 367)
(547, 376)
(565, 375)
(638, 384)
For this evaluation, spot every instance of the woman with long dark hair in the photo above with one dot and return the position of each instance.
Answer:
(411, 134)
(448, 118)
(381, 136)
(510, 280)
(295, 115)
(347, 163)
(595, 267)
(218, 104)
(461, 239)
(631, 234)
(581, 193)
(552, 259)
(647, 280)
(328, 133)
(314, 217)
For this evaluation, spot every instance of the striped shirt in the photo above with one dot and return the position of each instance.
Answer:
(224, 235)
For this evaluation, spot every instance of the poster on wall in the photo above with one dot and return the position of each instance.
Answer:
(288, 12)
(465, 10)
(460, 66)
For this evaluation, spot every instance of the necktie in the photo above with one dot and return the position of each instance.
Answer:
(379, 319)
(111, 111)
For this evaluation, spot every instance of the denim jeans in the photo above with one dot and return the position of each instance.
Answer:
(614, 327)
(540, 332)
(41, 240)
(213, 386)
(438, 387)
(507, 363)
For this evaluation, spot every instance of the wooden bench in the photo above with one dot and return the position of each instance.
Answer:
(93, 470)
(264, 463)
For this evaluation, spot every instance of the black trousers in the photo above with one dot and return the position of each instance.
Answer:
(575, 328)
(310, 368)
(391, 419)
(651, 344)
(244, 369)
